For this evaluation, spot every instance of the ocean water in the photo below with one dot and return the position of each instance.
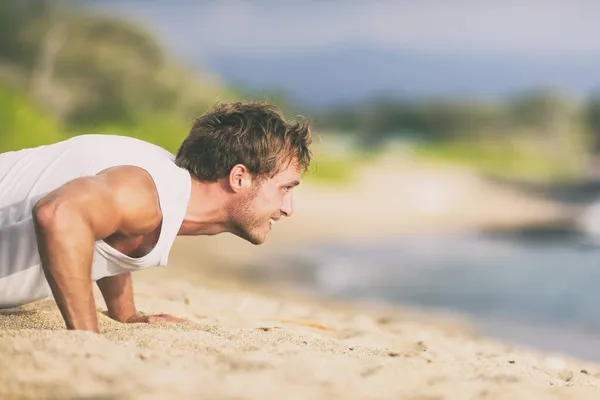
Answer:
(535, 290)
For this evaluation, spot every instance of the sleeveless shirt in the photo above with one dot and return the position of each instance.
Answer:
(27, 175)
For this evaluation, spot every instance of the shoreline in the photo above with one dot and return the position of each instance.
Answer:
(386, 199)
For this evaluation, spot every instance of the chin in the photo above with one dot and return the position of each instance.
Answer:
(257, 241)
(252, 238)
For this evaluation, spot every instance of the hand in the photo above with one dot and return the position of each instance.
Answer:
(150, 319)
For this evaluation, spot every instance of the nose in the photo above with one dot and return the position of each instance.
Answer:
(287, 208)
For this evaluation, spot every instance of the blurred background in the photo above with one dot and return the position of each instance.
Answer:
(456, 147)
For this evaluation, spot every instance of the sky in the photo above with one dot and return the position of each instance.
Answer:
(549, 28)
(539, 34)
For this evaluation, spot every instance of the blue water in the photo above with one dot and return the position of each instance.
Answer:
(542, 292)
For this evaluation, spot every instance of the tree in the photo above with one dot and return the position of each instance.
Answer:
(592, 119)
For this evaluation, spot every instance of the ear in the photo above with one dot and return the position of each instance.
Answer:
(240, 178)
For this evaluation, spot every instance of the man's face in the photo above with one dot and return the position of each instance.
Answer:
(266, 202)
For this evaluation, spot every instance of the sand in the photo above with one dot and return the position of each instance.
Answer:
(244, 345)
(247, 342)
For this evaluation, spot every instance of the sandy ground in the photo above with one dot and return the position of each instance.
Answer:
(244, 342)
(244, 345)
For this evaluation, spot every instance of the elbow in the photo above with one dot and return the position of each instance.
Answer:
(43, 213)
(51, 215)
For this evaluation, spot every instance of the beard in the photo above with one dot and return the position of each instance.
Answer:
(244, 222)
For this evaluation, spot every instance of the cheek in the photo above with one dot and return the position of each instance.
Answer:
(269, 200)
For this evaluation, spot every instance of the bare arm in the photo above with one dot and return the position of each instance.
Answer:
(117, 292)
(69, 220)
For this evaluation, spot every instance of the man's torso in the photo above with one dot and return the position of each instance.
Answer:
(27, 175)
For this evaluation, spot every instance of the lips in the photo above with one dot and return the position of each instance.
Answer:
(272, 221)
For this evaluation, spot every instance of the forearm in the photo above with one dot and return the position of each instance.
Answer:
(118, 295)
(66, 246)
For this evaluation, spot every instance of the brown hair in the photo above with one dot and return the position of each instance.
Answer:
(254, 134)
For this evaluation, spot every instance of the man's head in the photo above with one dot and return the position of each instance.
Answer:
(256, 155)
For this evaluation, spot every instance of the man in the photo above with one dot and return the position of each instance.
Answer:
(98, 207)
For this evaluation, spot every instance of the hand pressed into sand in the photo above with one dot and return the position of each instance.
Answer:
(118, 294)
(150, 319)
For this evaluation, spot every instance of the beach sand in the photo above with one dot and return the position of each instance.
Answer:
(241, 344)
(262, 342)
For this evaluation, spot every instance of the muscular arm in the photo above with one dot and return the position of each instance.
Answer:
(68, 221)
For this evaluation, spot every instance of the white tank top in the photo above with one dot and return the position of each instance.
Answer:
(27, 175)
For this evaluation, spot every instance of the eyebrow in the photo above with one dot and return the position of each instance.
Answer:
(293, 183)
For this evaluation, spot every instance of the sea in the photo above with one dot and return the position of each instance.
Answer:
(540, 290)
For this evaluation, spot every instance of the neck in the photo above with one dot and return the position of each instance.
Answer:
(206, 212)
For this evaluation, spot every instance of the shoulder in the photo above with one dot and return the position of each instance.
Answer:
(119, 199)
(134, 191)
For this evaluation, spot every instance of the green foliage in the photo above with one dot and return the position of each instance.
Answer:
(18, 19)
(90, 69)
(536, 109)
(592, 119)
(552, 133)
(163, 131)
(333, 169)
(76, 72)
(435, 120)
(23, 124)
(505, 160)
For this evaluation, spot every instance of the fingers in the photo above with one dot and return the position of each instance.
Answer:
(151, 319)
(171, 318)
(163, 318)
